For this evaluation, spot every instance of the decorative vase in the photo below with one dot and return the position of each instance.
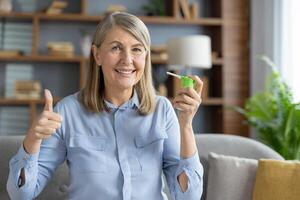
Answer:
(86, 43)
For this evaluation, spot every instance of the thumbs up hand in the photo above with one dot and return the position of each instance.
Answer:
(48, 122)
(43, 127)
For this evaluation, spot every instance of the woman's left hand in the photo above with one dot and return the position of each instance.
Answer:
(187, 101)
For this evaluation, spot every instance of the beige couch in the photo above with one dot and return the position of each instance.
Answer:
(218, 143)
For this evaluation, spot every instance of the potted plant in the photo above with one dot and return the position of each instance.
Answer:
(275, 116)
(155, 8)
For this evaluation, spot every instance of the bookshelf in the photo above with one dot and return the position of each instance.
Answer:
(226, 22)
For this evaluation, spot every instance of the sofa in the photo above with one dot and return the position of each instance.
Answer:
(218, 143)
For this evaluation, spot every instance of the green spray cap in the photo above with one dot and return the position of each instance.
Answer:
(187, 82)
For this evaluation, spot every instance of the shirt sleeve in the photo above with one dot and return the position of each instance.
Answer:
(173, 165)
(38, 168)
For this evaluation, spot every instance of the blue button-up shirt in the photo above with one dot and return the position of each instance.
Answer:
(112, 155)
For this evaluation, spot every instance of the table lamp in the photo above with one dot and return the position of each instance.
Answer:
(193, 51)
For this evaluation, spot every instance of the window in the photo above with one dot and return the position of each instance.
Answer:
(290, 45)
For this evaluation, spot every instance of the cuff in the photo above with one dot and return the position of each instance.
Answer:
(26, 160)
(191, 163)
(23, 160)
(193, 169)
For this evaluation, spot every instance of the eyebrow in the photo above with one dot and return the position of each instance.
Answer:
(134, 45)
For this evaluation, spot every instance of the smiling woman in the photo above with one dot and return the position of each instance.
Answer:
(117, 135)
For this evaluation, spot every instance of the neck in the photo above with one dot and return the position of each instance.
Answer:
(119, 97)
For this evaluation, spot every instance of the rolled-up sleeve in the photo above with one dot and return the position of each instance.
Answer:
(38, 168)
(27, 162)
(173, 165)
(194, 170)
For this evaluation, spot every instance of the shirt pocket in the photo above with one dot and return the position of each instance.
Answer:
(150, 149)
(88, 153)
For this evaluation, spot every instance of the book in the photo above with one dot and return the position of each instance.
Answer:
(183, 4)
(15, 72)
(27, 85)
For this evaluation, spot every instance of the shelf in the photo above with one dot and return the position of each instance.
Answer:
(148, 20)
(218, 61)
(76, 59)
(181, 21)
(17, 15)
(13, 101)
(69, 17)
(42, 58)
(89, 18)
(212, 101)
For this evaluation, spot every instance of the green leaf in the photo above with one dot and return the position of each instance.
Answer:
(274, 115)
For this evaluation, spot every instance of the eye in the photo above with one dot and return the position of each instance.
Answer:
(116, 48)
(136, 49)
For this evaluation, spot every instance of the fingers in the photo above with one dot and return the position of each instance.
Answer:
(187, 95)
(198, 83)
(47, 124)
(48, 100)
(44, 130)
(189, 99)
(52, 116)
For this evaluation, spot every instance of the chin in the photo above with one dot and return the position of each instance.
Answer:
(126, 86)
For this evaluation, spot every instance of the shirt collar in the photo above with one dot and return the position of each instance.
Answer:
(132, 103)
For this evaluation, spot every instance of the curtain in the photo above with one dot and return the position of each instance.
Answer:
(289, 47)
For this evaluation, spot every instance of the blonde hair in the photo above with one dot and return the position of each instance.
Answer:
(92, 95)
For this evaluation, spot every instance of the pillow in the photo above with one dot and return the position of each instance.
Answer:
(277, 180)
(230, 178)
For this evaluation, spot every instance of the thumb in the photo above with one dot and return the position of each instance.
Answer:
(48, 100)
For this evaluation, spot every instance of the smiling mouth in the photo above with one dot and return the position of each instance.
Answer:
(125, 72)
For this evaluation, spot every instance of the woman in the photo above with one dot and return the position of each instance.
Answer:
(116, 135)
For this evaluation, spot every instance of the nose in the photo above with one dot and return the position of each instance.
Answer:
(127, 57)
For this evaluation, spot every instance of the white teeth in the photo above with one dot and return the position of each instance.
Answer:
(124, 71)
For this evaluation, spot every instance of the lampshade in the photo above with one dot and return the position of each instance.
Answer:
(189, 51)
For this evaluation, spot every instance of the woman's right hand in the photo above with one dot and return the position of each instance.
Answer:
(43, 127)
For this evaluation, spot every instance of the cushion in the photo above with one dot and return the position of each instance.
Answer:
(277, 180)
(230, 178)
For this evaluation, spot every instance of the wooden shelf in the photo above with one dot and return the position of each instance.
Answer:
(212, 101)
(218, 61)
(90, 18)
(17, 15)
(42, 58)
(13, 101)
(181, 21)
(76, 59)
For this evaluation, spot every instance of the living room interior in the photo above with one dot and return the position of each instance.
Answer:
(247, 128)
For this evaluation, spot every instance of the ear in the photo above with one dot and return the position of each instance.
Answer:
(96, 54)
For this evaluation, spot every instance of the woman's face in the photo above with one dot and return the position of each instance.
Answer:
(122, 59)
